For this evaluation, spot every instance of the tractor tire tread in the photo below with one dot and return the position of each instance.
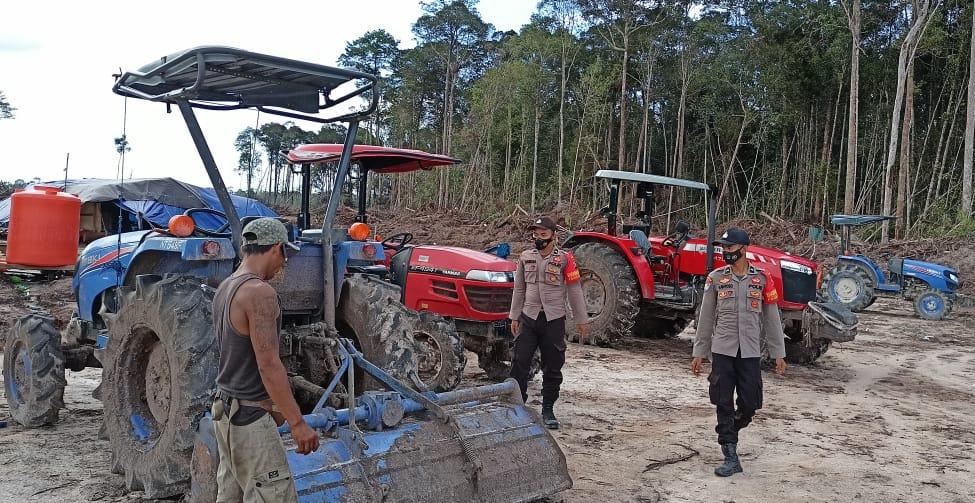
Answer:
(37, 333)
(609, 329)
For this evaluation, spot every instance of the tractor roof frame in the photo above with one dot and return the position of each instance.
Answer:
(224, 78)
(616, 177)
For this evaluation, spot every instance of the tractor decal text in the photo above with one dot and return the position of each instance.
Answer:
(434, 270)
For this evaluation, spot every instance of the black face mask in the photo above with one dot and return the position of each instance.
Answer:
(731, 257)
(540, 244)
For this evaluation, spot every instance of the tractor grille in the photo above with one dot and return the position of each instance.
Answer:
(798, 287)
(489, 299)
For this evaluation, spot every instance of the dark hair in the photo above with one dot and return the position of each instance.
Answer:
(255, 249)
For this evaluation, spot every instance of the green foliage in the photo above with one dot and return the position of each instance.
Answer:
(6, 109)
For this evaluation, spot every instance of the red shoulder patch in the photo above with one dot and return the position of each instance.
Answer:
(571, 272)
(770, 292)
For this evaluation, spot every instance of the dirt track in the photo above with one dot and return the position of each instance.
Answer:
(887, 418)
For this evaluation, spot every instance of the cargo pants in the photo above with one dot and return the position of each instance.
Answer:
(729, 375)
(547, 336)
(253, 467)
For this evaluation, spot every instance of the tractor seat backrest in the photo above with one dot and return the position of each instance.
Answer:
(641, 239)
(896, 266)
(399, 266)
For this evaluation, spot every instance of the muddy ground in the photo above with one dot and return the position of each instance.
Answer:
(887, 418)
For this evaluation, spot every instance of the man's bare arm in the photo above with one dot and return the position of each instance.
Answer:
(262, 311)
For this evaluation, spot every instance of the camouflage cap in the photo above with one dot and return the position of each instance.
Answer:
(267, 231)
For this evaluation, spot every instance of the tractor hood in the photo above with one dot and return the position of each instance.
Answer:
(458, 262)
(756, 254)
(938, 271)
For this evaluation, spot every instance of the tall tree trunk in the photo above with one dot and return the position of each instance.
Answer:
(905, 158)
(853, 17)
(538, 118)
(562, 85)
(921, 15)
(621, 159)
(966, 180)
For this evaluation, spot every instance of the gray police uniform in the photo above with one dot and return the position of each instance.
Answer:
(736, 313)
(542, 286)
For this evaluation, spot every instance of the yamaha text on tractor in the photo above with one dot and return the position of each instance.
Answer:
(857, 280)
(652, 286)
(356, 356)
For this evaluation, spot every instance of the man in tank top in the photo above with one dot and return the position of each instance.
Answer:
(253, 394)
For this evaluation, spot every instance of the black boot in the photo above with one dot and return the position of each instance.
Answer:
(548, 416)
(732, 464)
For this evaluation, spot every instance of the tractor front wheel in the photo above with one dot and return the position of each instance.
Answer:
(651, 326)
(33, 371)
(160, 370)
(849, 285)
(611, 291)
(440, 352)
(495, 361)
(930, 304)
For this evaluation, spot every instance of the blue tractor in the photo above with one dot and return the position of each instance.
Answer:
(856, 281)
(373, 375)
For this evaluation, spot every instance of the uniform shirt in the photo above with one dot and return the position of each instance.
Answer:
(734, 314)
(543, 283)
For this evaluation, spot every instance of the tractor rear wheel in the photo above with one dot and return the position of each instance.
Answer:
(440, 352)
(931, 304)
(160, 370)
(33, 371)
(611, 291)
(424, 350)
(797, 352)
(850, 285)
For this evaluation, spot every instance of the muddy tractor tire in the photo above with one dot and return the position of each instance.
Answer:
(385, 331)
(160, 370)
(799, 353)
(33, 371)
(440, 352)
(649, 326)
(611, 292)
(496, 361)
(930, 304)
(850, 285)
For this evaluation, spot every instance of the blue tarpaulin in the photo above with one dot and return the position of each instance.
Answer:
(154, 200)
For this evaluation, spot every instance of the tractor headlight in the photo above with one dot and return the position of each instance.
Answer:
(950, 276)
(491, 276)
(792, 266)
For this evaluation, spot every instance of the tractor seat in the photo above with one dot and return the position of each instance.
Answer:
(896, 266)
(641, 239)
(399, 266)
(372, 270)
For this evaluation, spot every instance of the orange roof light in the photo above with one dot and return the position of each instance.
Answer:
(359, 231)
(181, 226)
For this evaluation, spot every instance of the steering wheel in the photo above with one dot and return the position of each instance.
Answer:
(222, 232)
(675, 239)
(397, 241)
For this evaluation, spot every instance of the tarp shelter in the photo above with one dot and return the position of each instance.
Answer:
(143, 202)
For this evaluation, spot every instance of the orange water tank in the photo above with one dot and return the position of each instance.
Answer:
(43, 229)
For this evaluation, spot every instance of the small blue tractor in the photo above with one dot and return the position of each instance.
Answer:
(856, 281)
(365, 369)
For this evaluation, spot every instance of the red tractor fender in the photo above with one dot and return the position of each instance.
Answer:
(628, 248)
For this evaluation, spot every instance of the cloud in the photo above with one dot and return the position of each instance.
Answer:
(12, 44)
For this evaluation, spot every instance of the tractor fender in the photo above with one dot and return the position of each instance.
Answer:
(171, 255)
(928, 273)
(876, 274)
(628, 248)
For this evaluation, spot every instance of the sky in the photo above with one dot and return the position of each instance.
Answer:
(56, 69)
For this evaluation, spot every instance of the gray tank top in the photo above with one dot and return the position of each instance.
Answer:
(237, 375)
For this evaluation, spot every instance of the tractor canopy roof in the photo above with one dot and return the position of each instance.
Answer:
(630, 176)
(858, 219)
(370, 157)
(224, 78)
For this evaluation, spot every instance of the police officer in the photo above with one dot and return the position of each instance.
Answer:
(545, 277)
(740, 304)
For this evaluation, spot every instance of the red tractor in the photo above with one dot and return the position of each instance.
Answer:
(472, 289)
(651, 287)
